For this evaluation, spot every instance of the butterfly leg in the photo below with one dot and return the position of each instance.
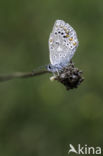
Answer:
(57, 71)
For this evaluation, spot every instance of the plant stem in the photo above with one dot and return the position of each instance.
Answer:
(22, 75)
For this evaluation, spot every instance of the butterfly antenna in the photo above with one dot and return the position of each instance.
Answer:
(41, 68)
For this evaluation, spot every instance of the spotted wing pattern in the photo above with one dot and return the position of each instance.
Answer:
(63, 43)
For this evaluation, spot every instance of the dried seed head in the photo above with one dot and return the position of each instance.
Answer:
(70, 77)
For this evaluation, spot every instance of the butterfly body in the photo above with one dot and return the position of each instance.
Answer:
(63, 43)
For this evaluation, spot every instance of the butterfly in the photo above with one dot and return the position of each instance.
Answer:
(63, 43)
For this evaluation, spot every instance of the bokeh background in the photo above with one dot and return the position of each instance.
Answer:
(39, 117)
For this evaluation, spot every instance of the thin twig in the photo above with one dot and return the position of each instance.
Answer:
(70, 76)
(22, 75)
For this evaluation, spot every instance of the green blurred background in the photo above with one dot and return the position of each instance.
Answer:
(39, 117)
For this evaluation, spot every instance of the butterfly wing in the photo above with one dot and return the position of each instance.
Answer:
(63, 43)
